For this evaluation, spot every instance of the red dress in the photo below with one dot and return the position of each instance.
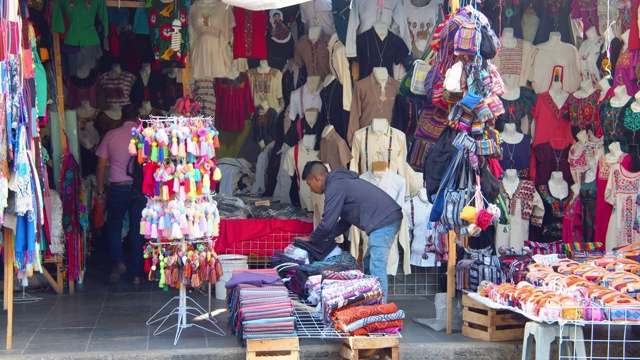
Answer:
(250, 34)
(572, 222)
(233, 102)
(603, 208)
(551, 124)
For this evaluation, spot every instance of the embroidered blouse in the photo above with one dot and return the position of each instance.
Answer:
(233, 102)
(583, 112)
(250, 34)
(612, 123)
(553, 214)
(516, 109)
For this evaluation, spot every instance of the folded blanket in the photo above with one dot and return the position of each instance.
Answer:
(378, 327)
(351, 314)
(398, 315)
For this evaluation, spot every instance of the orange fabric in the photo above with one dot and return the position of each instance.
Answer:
(377, 326)
(346, 316)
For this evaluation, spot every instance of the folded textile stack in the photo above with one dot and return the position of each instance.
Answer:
(364, 320)
(259, 305)
(347, 289)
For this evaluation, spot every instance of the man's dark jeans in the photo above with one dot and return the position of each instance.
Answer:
(121, 199)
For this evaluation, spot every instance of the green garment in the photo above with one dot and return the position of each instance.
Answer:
(81, 16)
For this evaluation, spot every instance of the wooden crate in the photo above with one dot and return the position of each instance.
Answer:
(355, 347)
(273, 349)
(483, 323)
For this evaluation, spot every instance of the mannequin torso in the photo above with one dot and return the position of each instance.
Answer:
(620, 96)
(510, 181)
(590, 174)
(604, 85)
(381, 28)
(586, 89)
(558, 187)
(311, 116)
(513, 90)
(263, 68)
(85, 111)
(145, 109)
(327, 129)
(308, 141)
(145, 73)
(114, 112)
(314, 33)
(115, 72)
(313, 83)
(380, 125)
(635, 106)
(558, 95)
(614, 153)
(508, 40)
(510, 135)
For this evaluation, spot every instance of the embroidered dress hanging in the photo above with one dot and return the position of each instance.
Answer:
(583, 113)
(525, 209)
(554, 209)
(622, 192)
(74, 216)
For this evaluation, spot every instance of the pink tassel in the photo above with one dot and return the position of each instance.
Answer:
(182, 193)
(176, 184)
(133, 149)
(176, 233)
(147, 229)
(182, 153)
(154, 231)
(203, 146)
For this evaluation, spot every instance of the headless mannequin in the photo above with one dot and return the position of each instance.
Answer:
(145, 109)
(114, 112)
(145, 73)
(85, 110)
(614, 153)
(590, 174)
(382, 75)
(510, 135)
(314, 33)
(311, 116)
(83, 72)
(381, 28)
(313, 83)
(308, 141)
(327, 129)
(635, 106)
(620, 96)
(592, 34)
(586, 89)
(510, 181)
(513, 90)
(604, 86)
(116, 71)
(380, 125)
(558, 187)
(233, 72)
(582, 140)
(554, 38)
(507, 39)
(263, 68)
(558, 95)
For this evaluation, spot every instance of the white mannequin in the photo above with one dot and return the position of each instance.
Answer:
(115, 72)
(507, 39)
(233, 72)
(313, 83)
(422, 194)
(381, 28)
(582, 138)
(635, 106)
(558, 95)
(263, 68)
(314, 33)
(379, 125)
(171, 73)
(85, 110)
(114, 111)
(327, 129)
(592, 34)
(382, 75)
(263, 107)
(586, 89)
(558, 186)
(510, 181)
(311, 116)
(328, 80)
(145, 73)
(83, 72)
(620, 96)
(308, 141)
(145, 109)
(590, 174)
(603, 84)
(554, 38)
(510, 135)
(614, 153)
(513, 90)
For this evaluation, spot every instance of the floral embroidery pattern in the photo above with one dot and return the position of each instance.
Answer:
(582, 111)
(557, 205)
(612, 124)
(524, 192)
(625, 191)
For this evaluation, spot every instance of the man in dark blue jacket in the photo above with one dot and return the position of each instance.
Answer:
(349, 200)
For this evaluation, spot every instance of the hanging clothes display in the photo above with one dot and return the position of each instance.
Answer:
(233, 102)
(376, 52)
(333, 111)
(266, 86)
(554, 16)
(621, 192)
(432, 122)
(583, 112)
(517, 109)
(204, 92)
(334, 150)
(417, 210)
(422, 21)
(506, 14)
(250, 34)
(75, 220)
(313, 55)
(612, 123)
(548, 160)
(603, 208)
(79, 89)
(516, 61)
(264, 126)
(517, 156)
(525, 209)
(297, 157)
(280, 39)
(554, 208)
(77, 23)
(572, 222)
(169, 35)
(210, 28)
(117, 88)
(369, 146)
(371, 100)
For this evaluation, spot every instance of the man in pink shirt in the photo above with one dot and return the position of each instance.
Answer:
(123, 196)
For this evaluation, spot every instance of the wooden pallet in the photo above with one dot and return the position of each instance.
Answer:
(483, 323)
(58, 283)
(354, 348)
(273, 349)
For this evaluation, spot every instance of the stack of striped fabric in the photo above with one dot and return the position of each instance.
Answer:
(262, 311)
(348, 289)
(364, 320)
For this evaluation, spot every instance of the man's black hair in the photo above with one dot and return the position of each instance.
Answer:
(314, 168)
(130, 112)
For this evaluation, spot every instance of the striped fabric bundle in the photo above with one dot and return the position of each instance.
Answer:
(346, 289)
(363, 320)
(260, 312)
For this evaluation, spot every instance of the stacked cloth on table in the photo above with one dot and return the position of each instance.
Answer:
(364, 320)
(348, 289)
(259, 306)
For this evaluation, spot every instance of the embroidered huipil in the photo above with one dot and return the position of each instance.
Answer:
(525, 210)
(250, 34)
(549, 57)
(82, 89)
(612, 123)
(264, 126)
(554, 16)
(625, 72)
(210, 28)
(233, 102)
(517, 109)
(516, 61)
(577, 161)
(118, 90)
(204, 91)
(422, 20)
(603, 208)
(583, 113)
(517, 156)
(622, 192)
(266, 87)
(588, 193)
(169, 29)
(548, 160)
(554, 208)
(589, 53)
(572, 222)
(314, 56)
(76, 19)
(367, 103)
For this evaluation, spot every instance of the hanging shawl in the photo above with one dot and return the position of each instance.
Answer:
(74, 216)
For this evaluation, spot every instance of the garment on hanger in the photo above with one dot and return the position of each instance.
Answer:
(589, 53)
(607, 13)
(603, 208)
(266, 87)
(303, 99)
(634, 31)
(339, 66)
(264, 126)
(572, 222)
(516, 109)
(517, 156)
(583, 112)
(587, 12)
(314, 56)
(334, 150)
(318, 13)
(375, 52)
(506, 13)
(554, 16)
(332, 110)
(233, 102)
(104, 123)
(341, 13)
(525, 209)
(211, 30)
(406, 112)
(432, 122)
(140, 91)
(554, 208)
(369, 146)
(621, 192)
(82, 89)
(117, 90)
(371, 101)
(250, 34)
(612, 123)
(204, 92)
(417, 211)
(563, 55)
(77, 23)
(297, 157)
(168, 25)
(578, 161)
(280, 27)
(625, 71)
(588, 193)
(549, 160)
(422, 21)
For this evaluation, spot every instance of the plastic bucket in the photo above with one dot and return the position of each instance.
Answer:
(229, 263)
